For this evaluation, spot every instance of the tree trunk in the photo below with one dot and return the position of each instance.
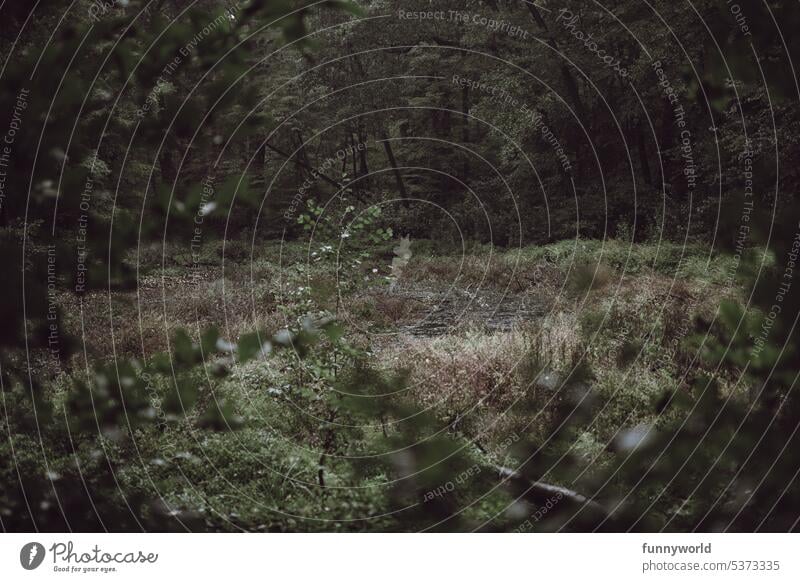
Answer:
(167, 166)
(166, 163)
(569, 80)
(362, 154)
(571, 86)
(398, 177)
(355, 160)
(465, 130)
(643, 161)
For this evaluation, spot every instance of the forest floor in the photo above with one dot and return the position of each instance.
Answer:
(238, 288)
(482, 336)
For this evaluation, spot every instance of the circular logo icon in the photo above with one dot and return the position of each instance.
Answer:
(31, 555)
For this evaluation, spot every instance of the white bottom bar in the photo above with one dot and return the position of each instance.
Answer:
(402, 557)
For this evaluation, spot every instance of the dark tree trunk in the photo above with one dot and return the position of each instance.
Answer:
(362, 153)
(667, 142)
(344, 158)
(301, 148)
(571, 86)
(166, 162)
(167, 166)
(398, 177)
(355, 161)
(465, 105)
(569, 81)
(643, 161)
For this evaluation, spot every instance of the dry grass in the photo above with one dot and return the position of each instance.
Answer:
(396, 309)
(468, 381)
(556, 339)
(482, 382)
(382, 309)
(485, 384)
(499, 271)
(142, 325)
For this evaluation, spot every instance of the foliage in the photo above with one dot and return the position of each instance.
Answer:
(137, 140)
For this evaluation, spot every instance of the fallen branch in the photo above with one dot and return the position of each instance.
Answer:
(542, 492)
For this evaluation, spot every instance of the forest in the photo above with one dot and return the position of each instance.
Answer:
(399, 266)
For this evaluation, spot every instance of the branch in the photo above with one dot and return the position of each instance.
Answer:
(537, 16)
(302, 164)
(542, 492)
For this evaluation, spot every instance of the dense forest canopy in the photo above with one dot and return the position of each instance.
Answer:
(310, 153)
(590, 118)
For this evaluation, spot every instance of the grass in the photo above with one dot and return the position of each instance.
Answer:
(621, 310)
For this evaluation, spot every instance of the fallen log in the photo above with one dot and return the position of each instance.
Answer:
(540, 492)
